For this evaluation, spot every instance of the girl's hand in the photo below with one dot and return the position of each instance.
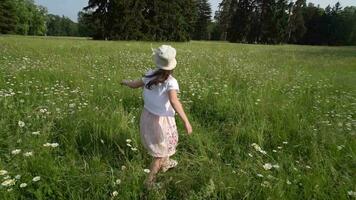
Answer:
(124, 82)
(188, 128)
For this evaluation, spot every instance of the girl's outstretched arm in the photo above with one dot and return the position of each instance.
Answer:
(133, 84)
(172, 94)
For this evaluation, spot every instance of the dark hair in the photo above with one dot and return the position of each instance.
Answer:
(159, 75)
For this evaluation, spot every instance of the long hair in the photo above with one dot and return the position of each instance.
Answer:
(159, 75)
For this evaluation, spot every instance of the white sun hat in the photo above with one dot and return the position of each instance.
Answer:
(165, 57)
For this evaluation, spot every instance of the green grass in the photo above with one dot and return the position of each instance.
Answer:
(234, 94)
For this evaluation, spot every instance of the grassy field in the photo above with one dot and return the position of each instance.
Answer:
(269, 122)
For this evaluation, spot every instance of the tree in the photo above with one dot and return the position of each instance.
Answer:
(86, 26)
(7, 17)
(141, 19)
(240, 22)
(296, 27)
(203, 20)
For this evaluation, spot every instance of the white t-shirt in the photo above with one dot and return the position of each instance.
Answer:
(156, 99)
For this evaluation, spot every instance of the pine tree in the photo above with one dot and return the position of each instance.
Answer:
(203, 20)
(141, 19)
(7, 17)
(241, 18)
(223, 18)
(296, 28)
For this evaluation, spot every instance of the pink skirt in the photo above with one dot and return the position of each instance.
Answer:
(159, 134)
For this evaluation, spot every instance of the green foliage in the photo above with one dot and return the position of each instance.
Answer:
(141, 19)
(296, 103)
(277, 21)
(22, 17)
(7, 17)
(61, 26)
(202, 21)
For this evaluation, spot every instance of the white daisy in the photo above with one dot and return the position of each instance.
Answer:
(118, 181)
(16, 151)
(35, 133)
(267, 166)
(28, 154)
(8, 182)
(115, 193)
(22, 185)
(21, 124)
(351, 193)
(36, 178)
(3, 172)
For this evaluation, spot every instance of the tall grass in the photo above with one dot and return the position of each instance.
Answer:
(292, 107)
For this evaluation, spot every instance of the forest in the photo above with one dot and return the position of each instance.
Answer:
(242, 21)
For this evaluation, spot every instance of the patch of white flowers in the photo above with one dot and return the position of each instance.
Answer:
(53, 145)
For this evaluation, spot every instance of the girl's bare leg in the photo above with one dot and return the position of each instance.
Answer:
(155, 166)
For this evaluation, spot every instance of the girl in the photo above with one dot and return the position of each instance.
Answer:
(157, 123)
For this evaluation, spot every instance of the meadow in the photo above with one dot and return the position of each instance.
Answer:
(269, 122)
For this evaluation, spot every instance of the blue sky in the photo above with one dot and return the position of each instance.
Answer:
(70, 8)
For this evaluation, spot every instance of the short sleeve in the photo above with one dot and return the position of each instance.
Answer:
(173, 85)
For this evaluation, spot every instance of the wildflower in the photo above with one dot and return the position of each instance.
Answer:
(275, 166)
(8, 182)
(118, 181)
(340, 147)
(288, 182)
(263, 152)
(128, 140)
(18, 176)
(21, 124)
(22, 185)
(129, 145)
(115, 193)
(123, 167)
(266, 184)
(53, 145)
(260, 175)
(102, 141)
(134, 149)
(285, 142)
(43, 110)
(28, 154)
(308, 167)
(16, 151)
(35, 133)
(3, 172)
(249, 154)
(351, 193)
(147, 171)
(267, 166)
(36, 178)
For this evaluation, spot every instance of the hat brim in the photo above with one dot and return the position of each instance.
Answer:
(171, 65)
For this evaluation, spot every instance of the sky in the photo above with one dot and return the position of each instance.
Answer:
(70, 8)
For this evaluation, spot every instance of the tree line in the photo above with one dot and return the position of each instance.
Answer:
(245, 21)
(24, 17)
(280, 21)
